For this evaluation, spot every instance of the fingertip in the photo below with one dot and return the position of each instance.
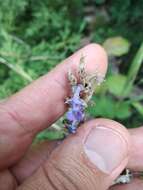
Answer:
(107, 144)
(94, 48)
(98, 56)
(114, 125)
(95, 59)
(109, 124)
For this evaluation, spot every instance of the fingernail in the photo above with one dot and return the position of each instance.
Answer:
(105, 148)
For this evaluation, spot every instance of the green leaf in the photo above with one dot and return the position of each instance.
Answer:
(123, 110)
(100, 1)
(50, 135)
(104, 107)
(138, 106)
(110, 108)
(133, 70)
(116, 84)
(116, 46)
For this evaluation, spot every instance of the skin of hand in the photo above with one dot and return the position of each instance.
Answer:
(90, 159)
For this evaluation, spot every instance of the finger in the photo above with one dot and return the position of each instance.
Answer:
(7, 181)
(36, 155)
(136, 159)
(91, 159)
(136, 184)
(41, 103)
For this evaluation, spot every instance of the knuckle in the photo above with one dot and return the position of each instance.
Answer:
(58, 178)
(70, 171)
(11, 120)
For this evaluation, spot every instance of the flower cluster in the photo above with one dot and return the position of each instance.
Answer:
(75, 114)
(83, 88)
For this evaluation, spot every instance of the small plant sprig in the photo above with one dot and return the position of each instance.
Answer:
(82, 91)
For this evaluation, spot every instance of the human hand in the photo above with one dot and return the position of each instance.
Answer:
(90, 159)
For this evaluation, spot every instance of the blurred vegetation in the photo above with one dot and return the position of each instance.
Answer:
(37, 35)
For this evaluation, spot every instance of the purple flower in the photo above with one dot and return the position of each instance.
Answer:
(77, 89)
(70, 116)
(75, 114)
(73, 127)
(79, 116)
(76, 102)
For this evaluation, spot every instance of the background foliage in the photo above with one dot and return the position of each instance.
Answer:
(36, 35)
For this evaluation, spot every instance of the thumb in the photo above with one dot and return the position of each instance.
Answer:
(91, 159)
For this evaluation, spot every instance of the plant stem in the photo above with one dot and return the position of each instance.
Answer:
(135, 99)
(133, 70)
(138, 106)
(43, 58)
(17, 69)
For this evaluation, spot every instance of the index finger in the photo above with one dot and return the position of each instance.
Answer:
(42, 102)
